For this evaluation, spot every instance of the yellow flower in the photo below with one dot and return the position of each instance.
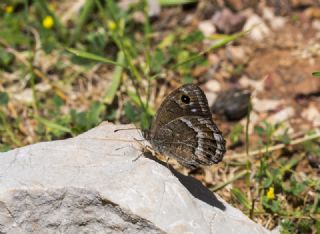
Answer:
(48, 22)
(270, 193)
(112, 25)
(8, 9)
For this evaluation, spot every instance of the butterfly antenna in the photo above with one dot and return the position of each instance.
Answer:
(120, 148)
(121, 129)
(140, 132)
(139, 140)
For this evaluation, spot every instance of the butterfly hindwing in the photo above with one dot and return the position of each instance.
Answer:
(183, 129)
(192, 140)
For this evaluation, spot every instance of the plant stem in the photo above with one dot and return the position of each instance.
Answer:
(236, 177)
(275, 147)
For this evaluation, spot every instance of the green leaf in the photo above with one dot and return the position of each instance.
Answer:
(167, 41)
(187, 79)
(57, 101)
(94, 113)
(116, 77)
(4, 147)
(236, 133)
(266, 182)
(317, 73)
(175, 2)
(4, 98)
(5, 57)
(52, 126)
(135, 99)
(130, 112)
(85, 120)
(157, 61)
(318, 226)
(93, 57)
(84, 16)
(225, 39)
(287, 226)
(273, 205)
(193, 37)
(241, 197)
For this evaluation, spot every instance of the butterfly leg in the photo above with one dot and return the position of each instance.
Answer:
(144, 150)
(135, 159)
(167, 162)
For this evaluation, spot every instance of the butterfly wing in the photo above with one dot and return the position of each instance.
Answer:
(191, 140)
(188, 100)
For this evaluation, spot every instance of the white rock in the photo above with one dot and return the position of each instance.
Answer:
(154, 8)
(258, 29)
(316, 24)
(267, 13)
(278, 23)
(312, 114)
(264, 105)
(24, 96)
(257, 85)
(237, 54)
(90, 184)
(207, 27)
(211, 97)
(282, 115)
(213, 86)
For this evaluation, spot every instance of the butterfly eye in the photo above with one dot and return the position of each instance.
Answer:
(185, 99)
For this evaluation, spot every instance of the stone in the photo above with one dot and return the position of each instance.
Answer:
(233, 104)
(312, 114)
(257, 85)
(228, 22)
(238, 55)
(213, 86)
(92, 184)
(264, 105)
(154, 8)
(302, 3)
(211, 97)
(258, 30)
(238, 5)
(207, 27)
(276, 22)
(24, 96)
(316, 24)
(281, 116)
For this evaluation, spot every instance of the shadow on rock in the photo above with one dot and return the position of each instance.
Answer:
(194, 186)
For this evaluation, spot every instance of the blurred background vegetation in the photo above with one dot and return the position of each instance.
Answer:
(66, 66)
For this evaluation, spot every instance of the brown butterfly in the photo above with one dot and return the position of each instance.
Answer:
(183, 129)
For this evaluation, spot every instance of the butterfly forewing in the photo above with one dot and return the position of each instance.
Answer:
(175, 106)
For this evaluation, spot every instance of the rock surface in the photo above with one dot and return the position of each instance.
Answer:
(90, 184)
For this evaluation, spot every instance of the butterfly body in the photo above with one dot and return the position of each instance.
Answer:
(183, 129)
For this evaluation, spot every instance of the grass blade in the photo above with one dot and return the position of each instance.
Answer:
(241, 197)
(116, 78)
(175, 2)
(52, 125)
(317, 73)
(93, 57)
(219, 43)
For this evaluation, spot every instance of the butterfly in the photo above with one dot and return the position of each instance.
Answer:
(183, 129)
